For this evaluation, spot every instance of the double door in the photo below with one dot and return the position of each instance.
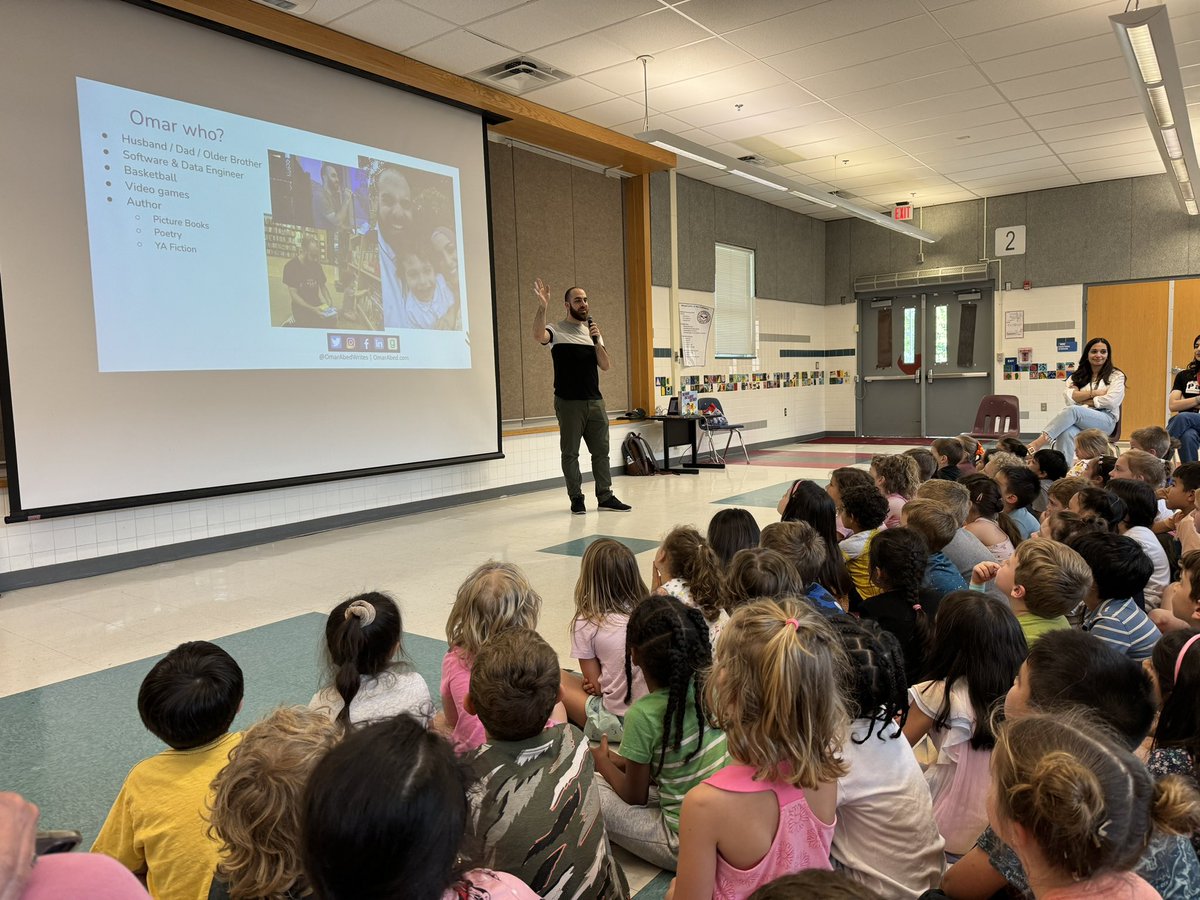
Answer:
(925, 362)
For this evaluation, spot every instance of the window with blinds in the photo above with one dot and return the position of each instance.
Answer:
(734, 319)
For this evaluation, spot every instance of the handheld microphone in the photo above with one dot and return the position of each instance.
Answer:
(595, 340)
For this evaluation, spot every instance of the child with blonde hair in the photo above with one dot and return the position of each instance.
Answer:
(495, 597)
(608, 589)
(1043, 581)
(897, 478)
(257, 804)
(687, 568)
(771, 812)
(1090, 445)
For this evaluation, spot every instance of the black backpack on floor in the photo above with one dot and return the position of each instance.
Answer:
(639, 458)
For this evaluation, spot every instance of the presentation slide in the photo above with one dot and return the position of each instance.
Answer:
(224, 242)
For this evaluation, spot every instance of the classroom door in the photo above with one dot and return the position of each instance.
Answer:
(890, 332)
(958, 353)
(1133, 319)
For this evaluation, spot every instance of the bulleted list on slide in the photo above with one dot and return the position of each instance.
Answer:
(221, 241)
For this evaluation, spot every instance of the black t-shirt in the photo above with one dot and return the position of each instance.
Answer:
(894, 613)
(1187, 383)
(576, 376)
(306, 277)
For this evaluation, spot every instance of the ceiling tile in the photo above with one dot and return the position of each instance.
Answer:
(328, 10)
(657, 121)
(1006, 137)
(1084, 129)
(653, 33)
(765, 100)
(835, 129)
(1088, 112)
(1144, 160)
(1026, 156)
(779, 120)
(542, 22)
(1052, 59)
(963, 121)
(460, 12)
(1095, 93)
(459, 52)
(1017, 187)
(1107, 139)
(1121, 172)
(1071, 26)
(887, 71)
(1064, 79)
(610, 112)
(1071, 157)
(924, 88)
(852, 145)
(747, 77)
(670, 66)
(391, 24)
(881, 42)
(986, 15)
(721, 15)
(933, 108)
(1057, 173)
(1047, 164)
(823, 22)
(570, 95)
(581, 55)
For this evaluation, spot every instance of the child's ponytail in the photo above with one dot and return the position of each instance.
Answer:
(362, 637)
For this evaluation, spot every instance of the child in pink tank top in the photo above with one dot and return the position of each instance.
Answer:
(772, 812)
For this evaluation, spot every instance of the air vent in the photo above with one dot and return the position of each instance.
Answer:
(757, 159)
(295, 7)
(520, 75)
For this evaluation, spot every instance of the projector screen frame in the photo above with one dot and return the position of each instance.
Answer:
(17, 513)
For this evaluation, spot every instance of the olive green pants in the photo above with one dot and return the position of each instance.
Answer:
(585, 420)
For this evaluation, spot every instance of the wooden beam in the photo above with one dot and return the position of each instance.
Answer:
(638, 291)
(527, 121)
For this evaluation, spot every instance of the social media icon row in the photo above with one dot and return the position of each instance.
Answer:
(361, 343)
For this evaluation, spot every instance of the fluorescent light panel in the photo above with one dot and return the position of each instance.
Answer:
(1144, 36)
(702, 154)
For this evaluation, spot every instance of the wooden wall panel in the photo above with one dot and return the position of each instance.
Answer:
(1186, 322)
(508, 295)
(638, 291)
(1133, 317)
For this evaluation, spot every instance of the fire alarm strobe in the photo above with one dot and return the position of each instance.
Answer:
(902, 212)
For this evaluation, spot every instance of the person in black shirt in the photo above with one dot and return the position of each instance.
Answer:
(1184, 402)
(306, 282)
(577, 349)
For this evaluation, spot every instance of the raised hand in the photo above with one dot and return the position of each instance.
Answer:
(984, 572)
(541, 292)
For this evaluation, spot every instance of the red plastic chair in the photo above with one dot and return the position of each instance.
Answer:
(998, 416)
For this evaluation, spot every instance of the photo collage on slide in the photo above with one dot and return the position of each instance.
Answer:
(366, 248)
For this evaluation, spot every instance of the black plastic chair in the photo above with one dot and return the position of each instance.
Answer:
(711, 407)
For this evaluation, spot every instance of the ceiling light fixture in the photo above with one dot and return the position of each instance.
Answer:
(702, 154)
(1144, 36)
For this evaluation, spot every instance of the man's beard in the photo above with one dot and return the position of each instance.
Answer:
(577, 316)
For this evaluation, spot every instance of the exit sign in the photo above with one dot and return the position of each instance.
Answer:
(902, 213)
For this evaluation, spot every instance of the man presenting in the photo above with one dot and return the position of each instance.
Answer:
(577, 350)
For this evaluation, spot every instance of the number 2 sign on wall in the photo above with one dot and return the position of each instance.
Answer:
(1010, 241)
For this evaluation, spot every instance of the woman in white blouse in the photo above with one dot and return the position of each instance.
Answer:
(1093, 394)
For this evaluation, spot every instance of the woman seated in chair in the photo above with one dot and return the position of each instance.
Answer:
(1094, 394)
(1184, 402)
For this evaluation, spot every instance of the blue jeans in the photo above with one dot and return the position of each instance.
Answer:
(1185, 427)
(1065, 427)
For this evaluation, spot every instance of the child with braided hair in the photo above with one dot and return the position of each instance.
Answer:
(771, 812)
(902, 606)
(687, 568)
(885, 837)
(987, 519)
(976, 652)
(668, 747)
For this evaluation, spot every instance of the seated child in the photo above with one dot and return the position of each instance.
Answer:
(1043, 580)
(771, 811)
(897, 479)
(948, 452)
(987, 519)
(402, 835)
(1061, 525)
(1100, 470)
(608, 589)
(428, 302)
(761, 573)
(1180, 498)
(999, 459)
(158, 826)
(965, 550)
(729, 531)
(814, 884)
(902, 606)
(256, 803)
(885, 837)
(1072, 671)
(839, 480)
(976, 652)
(863, 510)
(936, 525)
(800, 543)
(926, 464)
(663, 755)
(1176, 747)
(495, 597)
(368, 676)
(1142, 466)
(1181, 601)
(536, 806)
(811, 504)
(1013, 445)
(973, 454)
(1101, 504)
(1062, 490)
(1090, 445)
(687, 568)
(1120, 569)
(1155, 440)
(1019, 487)
(1048, 465)
(1139, 502)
